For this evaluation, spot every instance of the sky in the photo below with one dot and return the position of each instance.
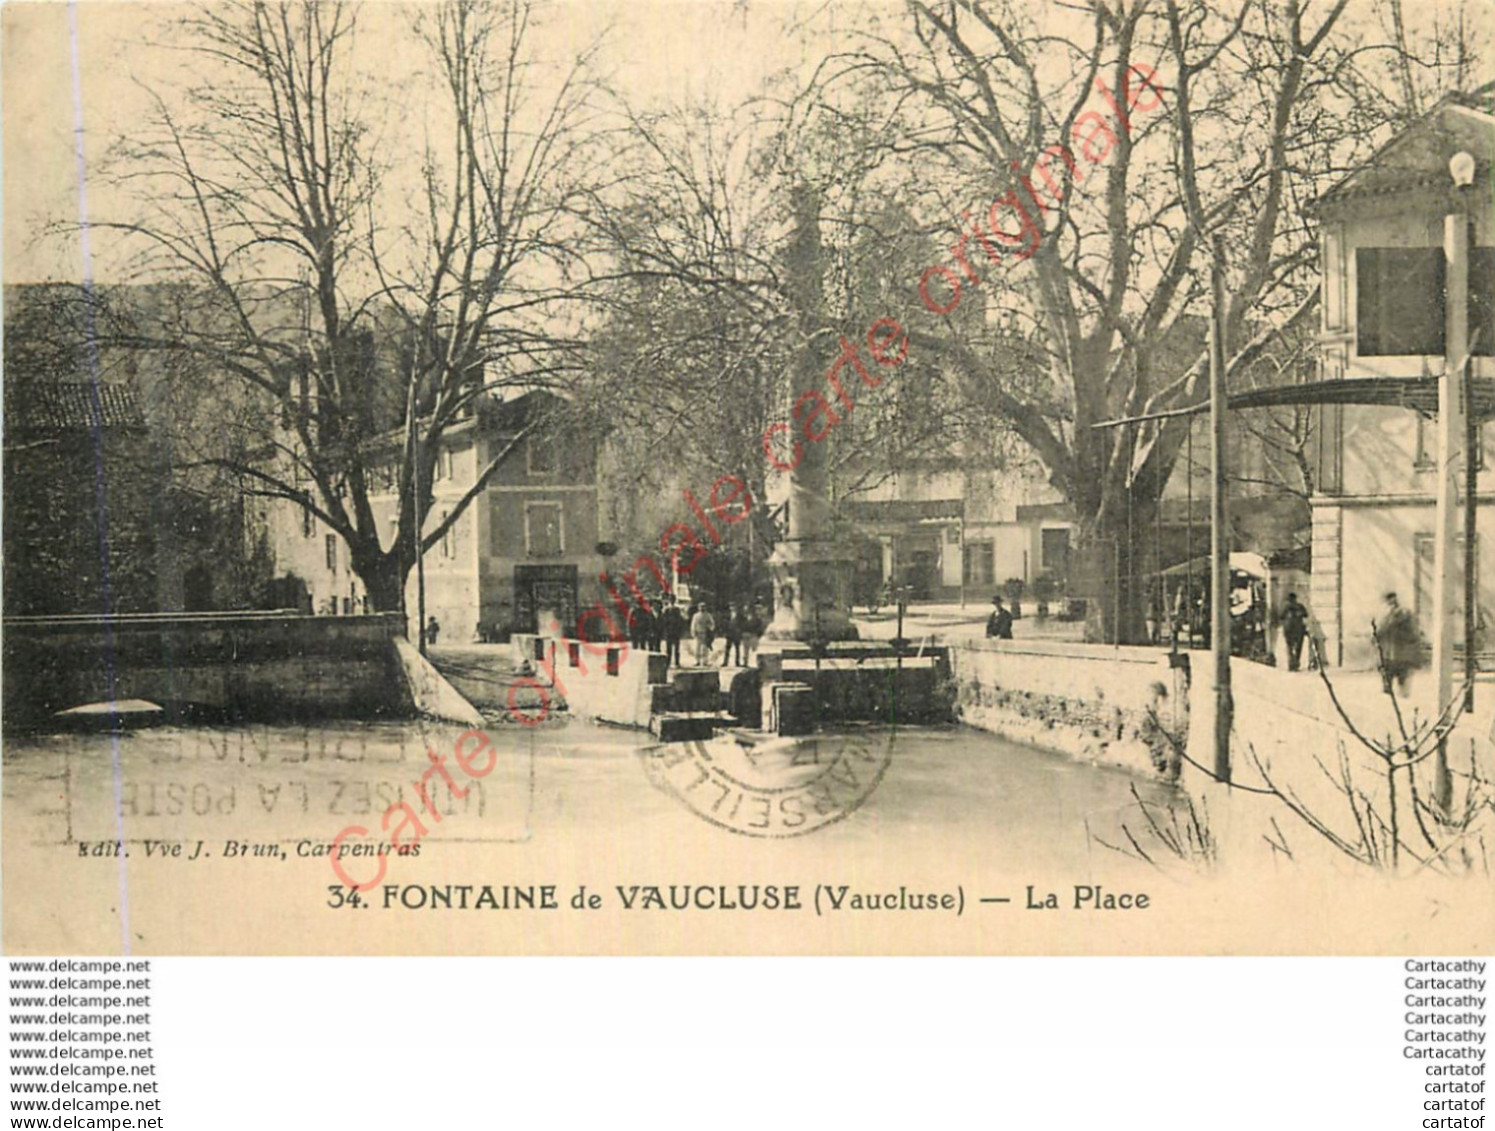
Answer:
(654, 51)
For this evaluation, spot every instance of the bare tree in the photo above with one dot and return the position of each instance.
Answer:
(1380, 816)
(702, 329)
(349, 314)
(1281, 436)
(1126, 136)
(1384, 819)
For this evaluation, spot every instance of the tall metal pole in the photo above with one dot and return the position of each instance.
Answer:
(965, 556)
(1189, 535)
(412, 441)
(1219, 527)
(1452, 431)
(1471, 543)
(420, 550)
(1159, 598)
(1471, 489)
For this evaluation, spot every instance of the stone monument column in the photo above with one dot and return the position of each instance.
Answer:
(812, 574)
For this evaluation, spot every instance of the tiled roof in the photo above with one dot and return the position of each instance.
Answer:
(515, 413)
(67, 406)
(904, 510)
(1416, 158)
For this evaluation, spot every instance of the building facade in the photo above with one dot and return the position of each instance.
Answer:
(1384, 312)
(111, 500)
(525, 545)
(963, 533)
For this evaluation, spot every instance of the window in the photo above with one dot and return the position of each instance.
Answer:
(540, 454)
(449, 539)
(543, 534)
(1426, 457)
(978, 563)
(1333, 276)
(1053, 551)
(331, 545)
(1399, 307)
(1329, 442)
(308, 524)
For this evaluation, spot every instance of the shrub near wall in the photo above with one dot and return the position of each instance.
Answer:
(1091, 703)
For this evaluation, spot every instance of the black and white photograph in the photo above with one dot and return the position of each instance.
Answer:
(964, 477)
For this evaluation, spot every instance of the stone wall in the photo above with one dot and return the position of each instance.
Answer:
(871, 688)
(1287, 721)
(1091, 703)
(270, 666)
(1088, 702)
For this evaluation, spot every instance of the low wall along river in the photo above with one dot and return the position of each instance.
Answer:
(268, 666)
(1089, 702)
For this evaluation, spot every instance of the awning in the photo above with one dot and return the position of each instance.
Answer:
(1253, 565)
(905, 510)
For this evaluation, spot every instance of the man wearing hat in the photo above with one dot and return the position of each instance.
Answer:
(999, 624)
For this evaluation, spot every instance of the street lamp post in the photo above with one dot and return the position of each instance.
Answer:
(1219, 523)
(420, 550)
(1452, 448)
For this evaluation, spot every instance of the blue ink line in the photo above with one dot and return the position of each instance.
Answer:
(97, 408)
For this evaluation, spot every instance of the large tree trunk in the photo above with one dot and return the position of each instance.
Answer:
(383, 575)
(1117, 567)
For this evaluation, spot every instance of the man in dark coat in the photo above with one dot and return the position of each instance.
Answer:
(640, 627)
(732, 632)
(1400, 644)
(671, 629)
(999, 624)
(1294, 629)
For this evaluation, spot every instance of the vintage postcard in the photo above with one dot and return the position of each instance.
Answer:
(966, 477)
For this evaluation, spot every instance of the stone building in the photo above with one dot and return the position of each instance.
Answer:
(1384, 323)
(949, 532)
(528, 542)
(112, 500)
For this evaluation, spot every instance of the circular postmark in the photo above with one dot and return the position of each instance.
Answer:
(778, 787)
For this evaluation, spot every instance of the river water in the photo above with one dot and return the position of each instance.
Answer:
(946, 790)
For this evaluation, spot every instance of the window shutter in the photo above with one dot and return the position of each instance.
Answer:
(1399, 301)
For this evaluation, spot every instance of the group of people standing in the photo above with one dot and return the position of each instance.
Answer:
(663, 630)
